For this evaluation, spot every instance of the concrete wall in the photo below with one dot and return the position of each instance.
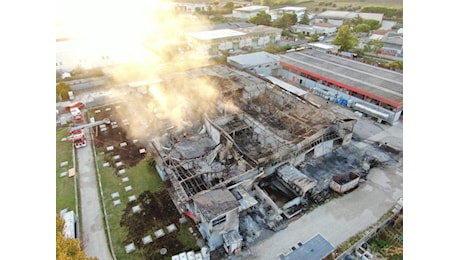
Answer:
(162, 173)
(212, 132)
(214, 235)
(323, 148)
(265, 198)
(325, 30)
(265, 137)
(246, 41)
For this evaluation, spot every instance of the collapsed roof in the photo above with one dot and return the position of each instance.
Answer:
(254, 124)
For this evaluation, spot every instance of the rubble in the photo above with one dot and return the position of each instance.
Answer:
(256, 128)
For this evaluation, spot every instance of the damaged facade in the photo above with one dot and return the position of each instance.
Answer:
(223, 166)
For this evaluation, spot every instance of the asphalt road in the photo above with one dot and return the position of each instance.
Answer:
(93, 238)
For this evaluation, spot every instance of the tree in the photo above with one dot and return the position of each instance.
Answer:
(62, 91)
(374, 24)
(229, 5)
(285, 21)
(67, 248)
(366, 28)
(345, 38)
(373, 45)
(397, 26)
(271, 48)
(397, 64)
(355, 21)
(305, 19)
(266, 2)
(314, 38)
(262, 18)
(301, 36)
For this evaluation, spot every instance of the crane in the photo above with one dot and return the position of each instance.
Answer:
(78, 132)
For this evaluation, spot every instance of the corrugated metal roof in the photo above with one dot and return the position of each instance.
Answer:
(371, 79)
(253, 59)
(287, 86)
(216, 34)
(295, 177)
(337, 14)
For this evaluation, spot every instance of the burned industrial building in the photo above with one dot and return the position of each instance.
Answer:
(236, 167)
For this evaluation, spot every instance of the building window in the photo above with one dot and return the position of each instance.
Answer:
(219, 220)
(388, 107)
(357, 95)
(372, 101)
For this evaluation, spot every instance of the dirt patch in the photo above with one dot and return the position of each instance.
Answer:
(116, 135)
(157, 212)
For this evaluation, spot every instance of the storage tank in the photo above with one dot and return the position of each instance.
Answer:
(371, 111)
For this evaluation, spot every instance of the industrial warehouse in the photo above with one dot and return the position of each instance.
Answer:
(261, 154)
(228, 168)
(375, 91)
(196, 141)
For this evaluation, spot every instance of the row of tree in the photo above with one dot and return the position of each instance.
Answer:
(285, 21)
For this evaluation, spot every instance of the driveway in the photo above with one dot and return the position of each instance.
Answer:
(93, 238)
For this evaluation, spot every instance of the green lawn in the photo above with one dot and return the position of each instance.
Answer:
(65, 189)
(142, 177)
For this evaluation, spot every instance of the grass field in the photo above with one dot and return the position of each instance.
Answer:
(65, 189)
(142, 177)
(320, 5)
